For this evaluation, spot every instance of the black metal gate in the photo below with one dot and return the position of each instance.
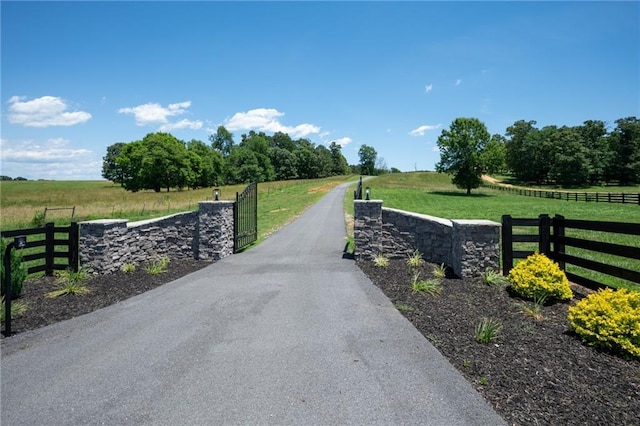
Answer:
(245, 211)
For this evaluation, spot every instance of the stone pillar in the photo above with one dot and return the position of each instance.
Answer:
(100, 252)
(215, 236)
(475, 246)
(367, 228)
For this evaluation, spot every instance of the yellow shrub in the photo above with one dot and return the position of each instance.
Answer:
(609, 319)
(538, 276)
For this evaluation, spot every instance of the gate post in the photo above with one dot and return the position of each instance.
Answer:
(558, 245)
(507, 244)
(74, 243)
(544, 231)
(49, 248)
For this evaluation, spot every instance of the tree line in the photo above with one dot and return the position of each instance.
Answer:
(160, 161)
(589, 154)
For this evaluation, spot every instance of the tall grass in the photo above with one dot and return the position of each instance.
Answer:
(279, 202)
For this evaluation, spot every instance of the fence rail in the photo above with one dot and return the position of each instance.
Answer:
(550, 235)
(594, 197)
(47, 246)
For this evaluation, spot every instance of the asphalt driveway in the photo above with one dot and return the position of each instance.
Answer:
(288, 332)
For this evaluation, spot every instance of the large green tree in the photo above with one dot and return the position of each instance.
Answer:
(110, 169)
(368, 157)
(461, 148)
(222, 141)
(625, 145)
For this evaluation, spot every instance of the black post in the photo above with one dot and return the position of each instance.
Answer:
(558, 232)
(49, 248)
(74, 243)
(7, 290)
(544, 231)
(507, 244)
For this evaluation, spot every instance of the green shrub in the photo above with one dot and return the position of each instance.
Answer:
(487, 330)
(415, 260)
(18, 271)
(609, 319)
(381, 261)
(70, 282)
(493, 278)
(537, 276)
(158, 267)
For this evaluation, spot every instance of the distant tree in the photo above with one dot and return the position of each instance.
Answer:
(6, 178)
(20, 178)
(625, 145)
(284, 163)
(208, 166)
(461, 148)
(306, 160)
(283, 140)
(381, 166)
(395, 170)
(368, 157)
(339, 163)
(325, 161)
(158, 161)
(494, 155)
(243, 167)
(599, 154)
(222, 141)
(518, 150)
(110, 169)
(570, 165)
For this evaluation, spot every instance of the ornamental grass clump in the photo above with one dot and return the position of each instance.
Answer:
(538, 276)
(609, 319)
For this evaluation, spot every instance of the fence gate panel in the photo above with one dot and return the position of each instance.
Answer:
(245, 211)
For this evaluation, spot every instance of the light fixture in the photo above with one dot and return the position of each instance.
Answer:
(367, 191)
(216, 194)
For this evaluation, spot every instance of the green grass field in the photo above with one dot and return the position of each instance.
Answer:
(433, 194)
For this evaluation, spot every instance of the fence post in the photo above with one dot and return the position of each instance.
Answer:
(544, 231)
(74, 243)
(507, 244)
(558, 246)
(49, 248)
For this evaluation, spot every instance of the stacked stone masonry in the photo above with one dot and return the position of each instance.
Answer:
(207, 234)
(469, 247)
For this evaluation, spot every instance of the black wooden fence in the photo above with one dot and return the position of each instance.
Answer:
(51, 244)
(550, 236)
(594, 197)
(245, 222)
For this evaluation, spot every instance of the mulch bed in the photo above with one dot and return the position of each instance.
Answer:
(105, 290)
(537, 372)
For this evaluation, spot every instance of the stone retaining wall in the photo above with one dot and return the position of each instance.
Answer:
(467, 246)
(108, 244)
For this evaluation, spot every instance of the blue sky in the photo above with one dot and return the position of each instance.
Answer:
(80, 76)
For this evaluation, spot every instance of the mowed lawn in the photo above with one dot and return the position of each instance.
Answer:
(433, 194)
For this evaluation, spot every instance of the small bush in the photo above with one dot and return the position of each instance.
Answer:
(488, 330)
(158, 266)
(440, 271)
(18, 271)
(430, 286)
(609, 319)
(415, 260)
(127, 268)
(493, 278)
(17, 309)
(381, 261)
(539, 276)
(70, 282)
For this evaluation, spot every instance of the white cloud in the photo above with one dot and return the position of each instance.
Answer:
(458, 82)
(154, 113)
(428, 88)
(51, 159)
(422, 129)
(44, 112)
(57, 149)
(182, 124)
(266, 120)
(343, 141)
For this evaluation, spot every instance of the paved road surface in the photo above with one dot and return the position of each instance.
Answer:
(288, 332)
